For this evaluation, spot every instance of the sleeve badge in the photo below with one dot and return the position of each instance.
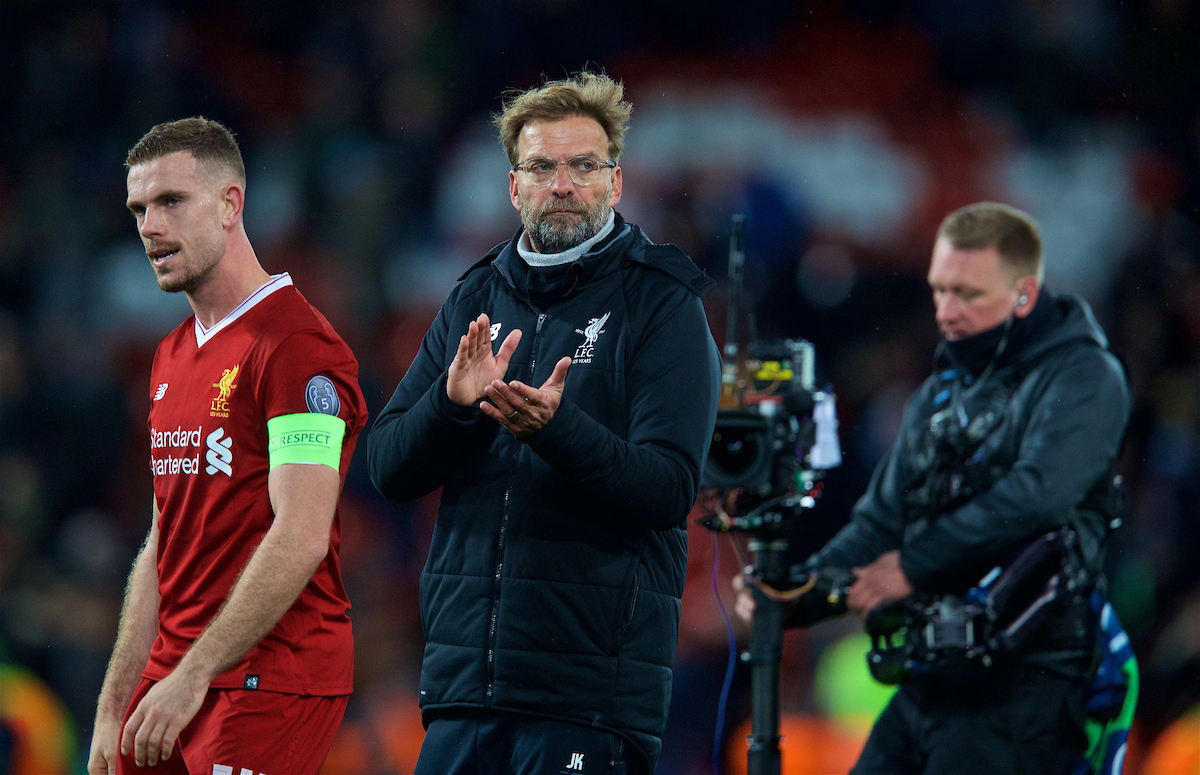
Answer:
(321, 396)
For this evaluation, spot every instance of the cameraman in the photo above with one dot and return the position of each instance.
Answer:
(1019, 424)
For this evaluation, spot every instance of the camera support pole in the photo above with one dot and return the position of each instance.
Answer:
(764, 655)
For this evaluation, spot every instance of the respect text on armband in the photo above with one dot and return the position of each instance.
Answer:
(303, 437)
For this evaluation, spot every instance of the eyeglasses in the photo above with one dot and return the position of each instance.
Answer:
(584, 170)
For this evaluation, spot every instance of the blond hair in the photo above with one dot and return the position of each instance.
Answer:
(208, 141)
(1012, 232)
(591, 95)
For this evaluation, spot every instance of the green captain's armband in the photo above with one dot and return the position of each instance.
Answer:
(305, 438)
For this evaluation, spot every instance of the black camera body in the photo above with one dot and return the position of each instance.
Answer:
(755, 450)
(924, 635)
(766, 435)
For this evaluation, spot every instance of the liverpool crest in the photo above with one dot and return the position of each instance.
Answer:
(224, 386)
(595, 327)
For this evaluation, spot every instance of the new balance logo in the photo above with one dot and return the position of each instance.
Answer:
(219, 456)
(161, 389)
(576, 762)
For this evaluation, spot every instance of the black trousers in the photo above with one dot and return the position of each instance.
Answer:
(498, 743)
(1009, 722)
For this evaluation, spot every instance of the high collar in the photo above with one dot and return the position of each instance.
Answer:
(533, 258)
(626, 244)
(543, 286)
(1007, 343)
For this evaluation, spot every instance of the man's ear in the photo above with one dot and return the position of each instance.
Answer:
(233, 202)
(512, 190)
(615, 196)
(1027, 296)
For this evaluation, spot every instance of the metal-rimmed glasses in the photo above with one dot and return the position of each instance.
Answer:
(584, 170)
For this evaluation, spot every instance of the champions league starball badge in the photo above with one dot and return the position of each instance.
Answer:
(321, 396)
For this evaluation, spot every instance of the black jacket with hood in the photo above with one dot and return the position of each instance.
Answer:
(557, 562)
(1044, 420)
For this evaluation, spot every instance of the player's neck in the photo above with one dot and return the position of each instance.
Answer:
(233, 279)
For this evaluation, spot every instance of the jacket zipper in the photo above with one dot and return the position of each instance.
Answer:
(633, 599)
(491, 657)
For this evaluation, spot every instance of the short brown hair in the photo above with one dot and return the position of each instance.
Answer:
(209, 141)
(1013, 233)
(592, 95)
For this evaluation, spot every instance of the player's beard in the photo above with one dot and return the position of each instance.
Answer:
(190, 271)
(556, 233)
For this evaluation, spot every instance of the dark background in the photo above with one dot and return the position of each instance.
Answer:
(843, 129)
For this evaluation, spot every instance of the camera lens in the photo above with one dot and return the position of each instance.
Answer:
(735, 450)
(740, 454)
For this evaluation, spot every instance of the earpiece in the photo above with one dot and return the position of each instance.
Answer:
(1023, 300)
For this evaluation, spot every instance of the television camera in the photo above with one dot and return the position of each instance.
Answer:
(775, 436)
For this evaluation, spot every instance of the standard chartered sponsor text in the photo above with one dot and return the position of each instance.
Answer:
(176, 438)
(179, 437)
(175, 465)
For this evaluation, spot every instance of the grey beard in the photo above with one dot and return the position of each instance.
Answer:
(552, 239)
(548, 238)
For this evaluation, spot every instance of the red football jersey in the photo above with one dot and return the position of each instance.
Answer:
(212, 392)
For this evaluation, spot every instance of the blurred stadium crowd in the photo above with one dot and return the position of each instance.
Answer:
(843, 129)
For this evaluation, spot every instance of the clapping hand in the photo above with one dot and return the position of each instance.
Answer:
(523, 409)
(474, 366)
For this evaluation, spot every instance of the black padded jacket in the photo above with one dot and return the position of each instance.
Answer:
(1047, 422)
(557, 562)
